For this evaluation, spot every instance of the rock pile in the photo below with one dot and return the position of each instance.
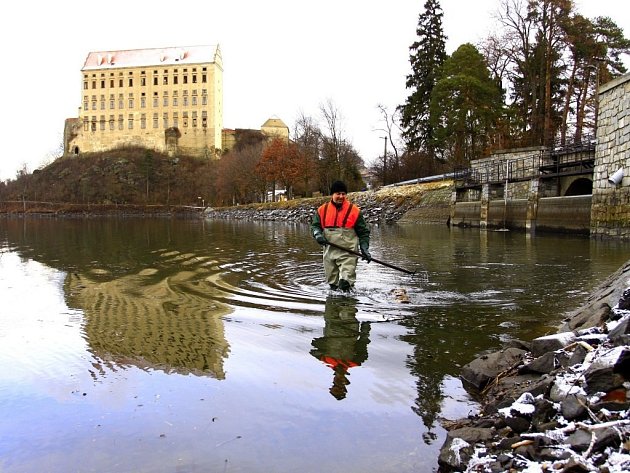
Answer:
(385, 205)
(559, 403)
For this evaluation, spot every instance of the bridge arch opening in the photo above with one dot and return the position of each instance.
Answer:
(581, 186)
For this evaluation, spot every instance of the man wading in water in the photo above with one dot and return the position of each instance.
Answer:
(341, 223)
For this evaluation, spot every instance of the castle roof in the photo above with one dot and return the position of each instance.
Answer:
(171, 56)
(274, 123)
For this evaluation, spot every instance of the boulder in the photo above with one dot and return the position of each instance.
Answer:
(609, 371)
(620, 335)
(481, 371)
(459, 445)
(557, 341)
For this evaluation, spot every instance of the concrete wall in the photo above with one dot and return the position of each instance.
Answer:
(564, 214)
(466, 214)
(554, 214)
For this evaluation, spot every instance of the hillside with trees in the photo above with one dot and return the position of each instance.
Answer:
(250, 172)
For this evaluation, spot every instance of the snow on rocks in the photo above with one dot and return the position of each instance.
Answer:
(563, 405)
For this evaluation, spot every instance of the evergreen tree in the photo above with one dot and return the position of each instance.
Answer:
(427, 54)
(465, 106)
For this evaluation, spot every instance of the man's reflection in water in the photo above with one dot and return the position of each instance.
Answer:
(344, 344)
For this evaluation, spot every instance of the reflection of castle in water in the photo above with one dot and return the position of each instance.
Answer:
(152, 321)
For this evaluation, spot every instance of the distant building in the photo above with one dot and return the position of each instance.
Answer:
(167, 99)
(272, 128)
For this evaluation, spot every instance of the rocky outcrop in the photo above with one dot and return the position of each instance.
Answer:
(558, 403)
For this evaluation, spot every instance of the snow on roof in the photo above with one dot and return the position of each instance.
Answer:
(170, 56)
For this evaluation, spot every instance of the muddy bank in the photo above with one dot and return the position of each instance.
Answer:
(557, 403)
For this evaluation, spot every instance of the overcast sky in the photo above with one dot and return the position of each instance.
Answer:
(281, 58)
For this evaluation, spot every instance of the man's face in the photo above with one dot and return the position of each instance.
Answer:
(339, 197)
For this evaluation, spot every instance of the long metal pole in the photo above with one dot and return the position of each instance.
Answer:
(373, 259)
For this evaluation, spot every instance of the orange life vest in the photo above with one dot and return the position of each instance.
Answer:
(334, 362)
(345, 217)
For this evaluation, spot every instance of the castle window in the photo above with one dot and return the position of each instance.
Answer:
(111, 83)
(204, 119)
(94, 84)
(143, 101)
(165, 102)
(131, 81)
(85, 103)
(185, 117)
(143, 81)
(155, 99)
(102, 83)
(111, 122)
(85, 85)
(194, 78)
(130, 100)
(143, 121)
(155, 120)
(165, 120)
(102, 102)
(194, 119)
(185, 79)
(112, 101)
(121, 122)
(130, 122)
(120, 82)
(175, 119)
(204, 78)
(102, 123)
(93, 102)
(86, 124)
(165, 80)
(194, 100)
(121, 102)
(175, 81)
(93, 127)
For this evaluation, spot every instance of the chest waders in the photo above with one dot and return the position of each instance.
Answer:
(339, 264)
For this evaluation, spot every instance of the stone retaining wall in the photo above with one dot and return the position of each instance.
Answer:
(610, 212)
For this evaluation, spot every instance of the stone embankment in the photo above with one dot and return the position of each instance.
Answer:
(418, 203)
(558, 403)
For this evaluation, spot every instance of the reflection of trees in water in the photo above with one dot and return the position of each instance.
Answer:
(439, 340)
(343, 344)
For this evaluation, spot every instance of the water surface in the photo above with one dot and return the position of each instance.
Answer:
(195, 346)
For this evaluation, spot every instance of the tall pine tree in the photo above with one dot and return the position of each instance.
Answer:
(427, 54)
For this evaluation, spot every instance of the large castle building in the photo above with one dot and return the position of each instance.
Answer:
(167, 99)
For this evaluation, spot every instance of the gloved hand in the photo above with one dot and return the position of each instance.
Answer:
(320, 238)
(365, 254)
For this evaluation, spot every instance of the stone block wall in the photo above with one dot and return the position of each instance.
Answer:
(610, 211)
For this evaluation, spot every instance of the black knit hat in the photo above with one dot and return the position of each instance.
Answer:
(338, 186)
